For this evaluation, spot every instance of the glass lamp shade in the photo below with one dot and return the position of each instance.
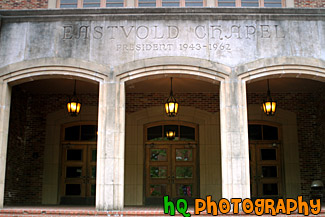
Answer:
(74, 106)
(170, 135)
(171, 106)
(269, 107)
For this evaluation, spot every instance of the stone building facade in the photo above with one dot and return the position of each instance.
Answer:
(123, 59)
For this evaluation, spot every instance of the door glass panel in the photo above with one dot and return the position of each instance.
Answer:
(270, 189)
(72, 133)
(184, 190)
(270, 133)
(173, 128)
(73, 189)
(184, 172)
(269, 171)
(154, 133)
(93, 190)
(158, 155)
(74, 155)
(89, 132)
(254, 132)
(183, 154)
(93, 172)
(187, 133)
(94, 155)
(73, 172)
(268, 154)
(158, 172)
(158, 190)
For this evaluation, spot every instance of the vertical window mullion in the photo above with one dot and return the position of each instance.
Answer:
(238, 3)
(103, 3)
(261, 3)
(80, 4)
(182, 3)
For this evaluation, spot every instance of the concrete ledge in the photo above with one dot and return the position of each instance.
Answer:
(167, 13)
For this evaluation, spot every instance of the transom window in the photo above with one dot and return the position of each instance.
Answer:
(168, 3)
(85, 132)
(182, 133)
(89, 3)
(262, 132)
(251, 3)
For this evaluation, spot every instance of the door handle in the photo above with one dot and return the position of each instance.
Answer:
(173, 179)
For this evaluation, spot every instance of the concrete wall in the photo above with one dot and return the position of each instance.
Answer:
(230, 37)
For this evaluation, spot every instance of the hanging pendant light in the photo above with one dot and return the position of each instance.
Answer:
(269, 106)
(171, 105)
(74, 104)
(170, 135)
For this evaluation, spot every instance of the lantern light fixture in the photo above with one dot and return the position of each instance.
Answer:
(170, 134)
(74, 104)
(269, 106)
(171, 105)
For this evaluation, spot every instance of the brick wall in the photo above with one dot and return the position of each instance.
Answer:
(321, 131)
(205, 101)
(24, 174)
(28, 119)
(309, 3)
(23, 4)
(306, 107)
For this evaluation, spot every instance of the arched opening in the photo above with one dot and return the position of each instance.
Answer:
(300, 121)
(147, 179)
(35, 165)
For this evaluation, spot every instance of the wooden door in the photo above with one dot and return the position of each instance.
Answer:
(170, 170)
(266, 174)
(78, 178)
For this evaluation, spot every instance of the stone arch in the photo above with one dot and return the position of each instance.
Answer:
(281, 67)
(52, 68)
(37, 69)
(180, 66)
(209, 142)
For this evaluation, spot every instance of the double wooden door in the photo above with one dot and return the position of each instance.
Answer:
(171, 170)
(265, 170)
(78, 178)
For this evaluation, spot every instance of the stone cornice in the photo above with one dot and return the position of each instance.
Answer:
(163, 13)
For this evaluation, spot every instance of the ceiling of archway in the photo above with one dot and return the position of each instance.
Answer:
(65, 86)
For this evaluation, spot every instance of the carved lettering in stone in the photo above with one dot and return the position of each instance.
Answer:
(200, 32)
(250, 31)
(67, 32)
(111, 31)
(127, 32)
(142, 32)
(83, 32)
(265, 31)
(173, 32)
(277, 32)
(216, 30)
(234, 30)
(157, 36)
(98, 32)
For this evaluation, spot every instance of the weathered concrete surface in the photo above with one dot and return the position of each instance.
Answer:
(113, 37)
